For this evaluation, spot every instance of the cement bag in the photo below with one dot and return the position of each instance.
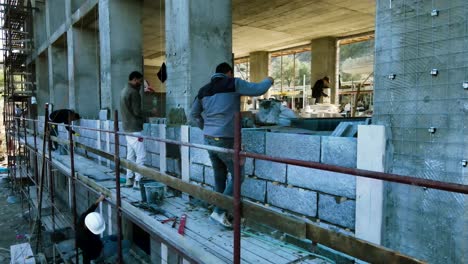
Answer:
(285, 116)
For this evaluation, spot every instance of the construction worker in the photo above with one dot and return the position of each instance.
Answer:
(133, 119)
(219, 100)
(317, 89)
(62, 116)
(89, 228)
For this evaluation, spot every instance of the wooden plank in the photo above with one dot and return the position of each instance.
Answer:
(355, 247)
(166, 233)
(22, 254)
(251, 211)
(200, 224)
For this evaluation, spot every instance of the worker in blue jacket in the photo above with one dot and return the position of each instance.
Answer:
(213, 111)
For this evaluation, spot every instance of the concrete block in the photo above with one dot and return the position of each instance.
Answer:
(123, 140)
(209, 176)
(339, 151)
(154, 130)
(254, 189)
(200, 156)
(322, 181)
(294, 146)
(336, 212)
(123, 151)
(253, 140)
(173, 133)
(147, 159)
(196, 135)
(270, 170)
(146, 129)
(155, 160)
(196, 172)
(293, 199)
(173, 166)
(103, 114)
(249, 166)
(151, 146)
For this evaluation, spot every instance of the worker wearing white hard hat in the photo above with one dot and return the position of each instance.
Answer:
(89, 228)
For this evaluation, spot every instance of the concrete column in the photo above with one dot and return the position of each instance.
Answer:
(71, 69)
(120, 38)
(259, 68)
(39, 20)
(58, 76)
(56, 14)
(423, 223)
(42, 80)
(259, 65)
(86, 72)
(324, 63)
(195, 44)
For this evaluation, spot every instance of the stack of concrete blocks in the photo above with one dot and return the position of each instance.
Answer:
(173, 162)
(316, 194)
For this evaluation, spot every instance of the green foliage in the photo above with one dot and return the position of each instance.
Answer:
(356, 50)
(292, 74)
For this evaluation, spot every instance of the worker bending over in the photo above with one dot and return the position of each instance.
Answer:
(60, 116)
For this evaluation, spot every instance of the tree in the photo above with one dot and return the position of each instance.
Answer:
(289, 73)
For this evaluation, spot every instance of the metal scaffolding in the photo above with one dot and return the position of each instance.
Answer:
(19, 79)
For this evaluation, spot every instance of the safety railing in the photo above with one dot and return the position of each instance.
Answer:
(348, 244)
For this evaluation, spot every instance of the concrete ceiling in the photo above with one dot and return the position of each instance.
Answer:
(272, 24)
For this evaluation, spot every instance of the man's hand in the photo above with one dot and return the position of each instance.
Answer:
(149, 89)
(271, 80)
(154, 112)
(100, 199)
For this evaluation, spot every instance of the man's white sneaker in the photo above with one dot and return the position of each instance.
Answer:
(221, 219)
(129, 183)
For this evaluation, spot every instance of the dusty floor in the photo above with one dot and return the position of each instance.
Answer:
(14, 229)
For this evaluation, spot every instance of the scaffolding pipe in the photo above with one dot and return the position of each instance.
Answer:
(237, 189)
(73, 185)
(28, 163)
(41, 181)
(36, 168)
(117, 186)
(51, 177)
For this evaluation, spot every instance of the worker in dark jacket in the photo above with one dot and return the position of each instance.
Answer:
(317, 89)
(89, 228)
(219, 101)
(62, 116)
